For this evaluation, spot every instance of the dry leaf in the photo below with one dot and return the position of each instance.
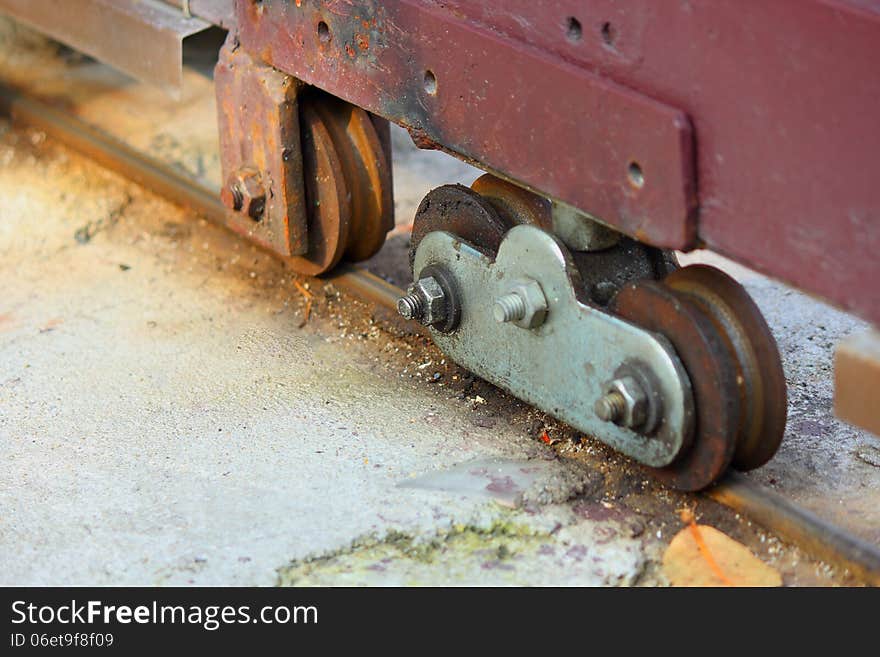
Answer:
(700, 555)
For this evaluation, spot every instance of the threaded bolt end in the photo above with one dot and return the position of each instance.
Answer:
(412, 306)
(232, 197)
(611, 407)
(509, 308)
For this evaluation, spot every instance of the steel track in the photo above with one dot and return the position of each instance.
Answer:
(809, 532)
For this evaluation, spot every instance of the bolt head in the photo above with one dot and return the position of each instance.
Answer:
(635, 410)
(433, 300)
(244, 192)
(536, 303)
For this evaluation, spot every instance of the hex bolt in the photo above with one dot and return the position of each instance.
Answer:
(244, 192)
(425, 302)
(523, 304)
(625, 403)
(610, 407)
(509, 308)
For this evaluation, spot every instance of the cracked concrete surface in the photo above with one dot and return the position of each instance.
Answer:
(163, 421)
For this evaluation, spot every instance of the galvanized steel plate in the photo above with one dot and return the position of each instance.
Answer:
(561, 366)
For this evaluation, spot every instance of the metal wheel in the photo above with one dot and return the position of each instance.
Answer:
(366, 171)
(514, 204)
(760, 378)
(461, 211)
(347, 180)
(712, 371)
(328, 202)
(481, 215)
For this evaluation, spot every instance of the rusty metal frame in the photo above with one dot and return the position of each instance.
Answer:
(745, 126)
(533, 118)
(143, 38)
(753, 125)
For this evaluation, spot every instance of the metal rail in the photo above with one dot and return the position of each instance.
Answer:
(802, 528)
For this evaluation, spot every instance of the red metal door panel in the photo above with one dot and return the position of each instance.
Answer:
(783, 97)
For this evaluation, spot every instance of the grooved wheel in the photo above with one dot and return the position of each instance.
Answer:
(514, 204)
(328, 204)
(760, 378)
(712, 371)
(481, 215)
(462, 212)
(367, 174)
(347, 180)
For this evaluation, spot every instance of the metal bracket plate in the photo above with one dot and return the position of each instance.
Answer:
(562, 365)
(258, 117)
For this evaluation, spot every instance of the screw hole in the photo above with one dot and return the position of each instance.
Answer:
(430, 83)
(636, 175)
(609, 34)
(573, 29)
(323, 32)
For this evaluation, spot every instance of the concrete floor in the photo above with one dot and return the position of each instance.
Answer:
(168, 415)
(165, 421)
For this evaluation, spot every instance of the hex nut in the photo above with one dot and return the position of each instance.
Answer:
(635, 409)
(433, 300)
(244, 192)
(535, 303)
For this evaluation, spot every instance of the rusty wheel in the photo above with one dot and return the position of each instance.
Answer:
(514, 204)
(328, 202)
(366, 171)
(481, 215)
(711, 368)
(760, 378)
(461, 211)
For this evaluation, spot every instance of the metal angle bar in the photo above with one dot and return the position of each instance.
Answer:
(799, 526)
(218, 12)
(143, 38)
